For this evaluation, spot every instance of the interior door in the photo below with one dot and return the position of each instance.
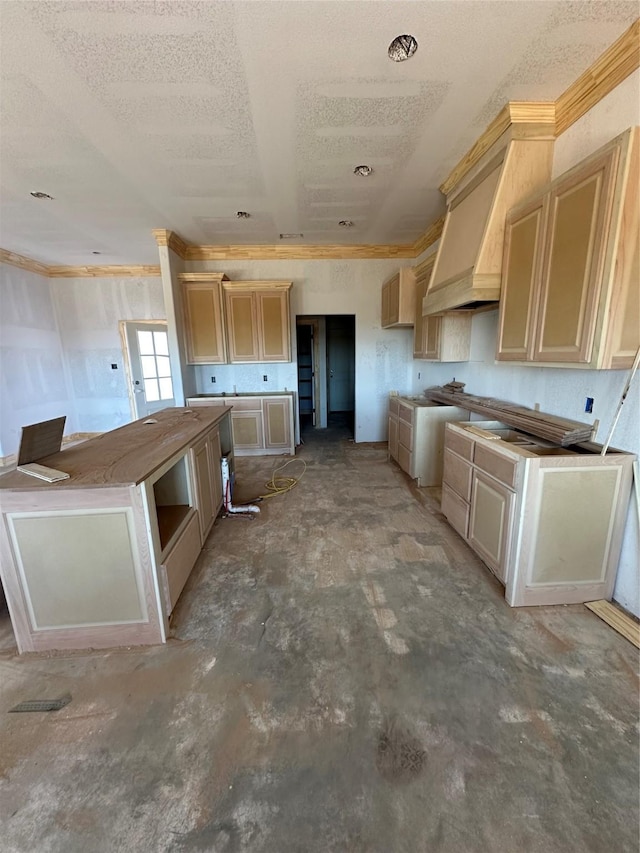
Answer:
(340, 363)
(151, 385)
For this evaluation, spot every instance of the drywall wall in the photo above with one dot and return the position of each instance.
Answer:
(563, 391)
(33, 383)
(383, 356)
(89, 310)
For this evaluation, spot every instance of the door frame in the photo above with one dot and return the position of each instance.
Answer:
(122, 329)
(314, 322)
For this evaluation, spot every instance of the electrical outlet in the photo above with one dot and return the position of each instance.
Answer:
(114, 367)
(588, 406)
(213, 378)
(264, 378)
(418, 375)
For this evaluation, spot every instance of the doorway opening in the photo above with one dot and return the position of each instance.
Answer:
(326, 376)
(148, 367)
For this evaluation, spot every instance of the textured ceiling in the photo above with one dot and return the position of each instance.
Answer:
(140, 115)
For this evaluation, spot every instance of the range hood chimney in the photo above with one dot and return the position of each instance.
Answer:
(468, 268)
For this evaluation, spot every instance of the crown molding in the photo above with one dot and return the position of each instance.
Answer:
(164, 237)
(607, 72)
(298, 253)
(533, 119)
(433, 233)
(24, 263)
(140, 270)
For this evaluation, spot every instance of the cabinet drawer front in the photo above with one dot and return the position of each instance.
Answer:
(455, 510)
(457, 474)
(503, 469)
(181, 559)
(404, 459)
(405, 413)
(394, 405)
(245, 404)
(462, 445)
(205, 401)
(405, 435)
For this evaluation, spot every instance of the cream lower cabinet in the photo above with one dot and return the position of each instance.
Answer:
(260, 425)
(205, 458)
(548, 521)
(416, 436)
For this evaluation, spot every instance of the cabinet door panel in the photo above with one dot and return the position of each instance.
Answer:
(455, 510)
(393, 438)
(273, 319)
(215, 455)
(204, 488)
(579, 215)
(243, 333)
(457, 474)
(404, 459)
(384, 311)
(394, 300)
(432, 338)
(277, 423)
(490, 521)
(521, 283)
(203, 324)
(420, 322)
(247, 430)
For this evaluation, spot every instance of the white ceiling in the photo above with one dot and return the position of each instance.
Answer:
(140, 115)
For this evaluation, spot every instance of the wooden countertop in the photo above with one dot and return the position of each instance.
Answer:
(125, 456)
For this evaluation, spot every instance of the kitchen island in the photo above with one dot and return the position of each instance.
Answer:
(100, 559)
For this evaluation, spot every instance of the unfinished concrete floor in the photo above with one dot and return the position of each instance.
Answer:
(344, 676)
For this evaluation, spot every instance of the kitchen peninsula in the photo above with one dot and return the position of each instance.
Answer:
(100, 559)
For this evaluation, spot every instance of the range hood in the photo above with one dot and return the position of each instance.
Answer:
(468, 269)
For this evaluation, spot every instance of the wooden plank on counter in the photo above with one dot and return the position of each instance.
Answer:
(559, 430)
(618, 619)
(125, 456)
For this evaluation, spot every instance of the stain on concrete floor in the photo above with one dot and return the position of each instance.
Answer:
(344, 675)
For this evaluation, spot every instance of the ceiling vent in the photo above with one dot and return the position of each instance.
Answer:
(242, 214)
(290, 236)
(402, 48)
(363, 171)
(38, 194)
(346, 223)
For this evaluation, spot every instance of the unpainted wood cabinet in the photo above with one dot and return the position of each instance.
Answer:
(445, 337)
(548, 521)
(208, 480)
(204, 327)
(571, 287)
(398, 300)
(258, 324)
(261, 424)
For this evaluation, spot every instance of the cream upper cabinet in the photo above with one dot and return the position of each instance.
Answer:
(258, 321)
(398, 300)
(571, 290)
(203, 318)
(445, 337)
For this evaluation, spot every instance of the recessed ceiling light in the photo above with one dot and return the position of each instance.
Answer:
(346, 223)
(41, 195)
(242, 214)
(363, 171)
(290, 236)
(402, 48)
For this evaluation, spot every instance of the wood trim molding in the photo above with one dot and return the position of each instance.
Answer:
(164, 237)
(607, 72)
(202, 276)
(540, 114)
(257, 285)
(16, 260)
(298, 253)
(103, 271)
(433, 233)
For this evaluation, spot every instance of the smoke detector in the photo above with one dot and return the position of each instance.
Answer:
(38, 194)
(242, 214)
(346, 223)
(290, 236)
(363, 171)
(402, 48)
